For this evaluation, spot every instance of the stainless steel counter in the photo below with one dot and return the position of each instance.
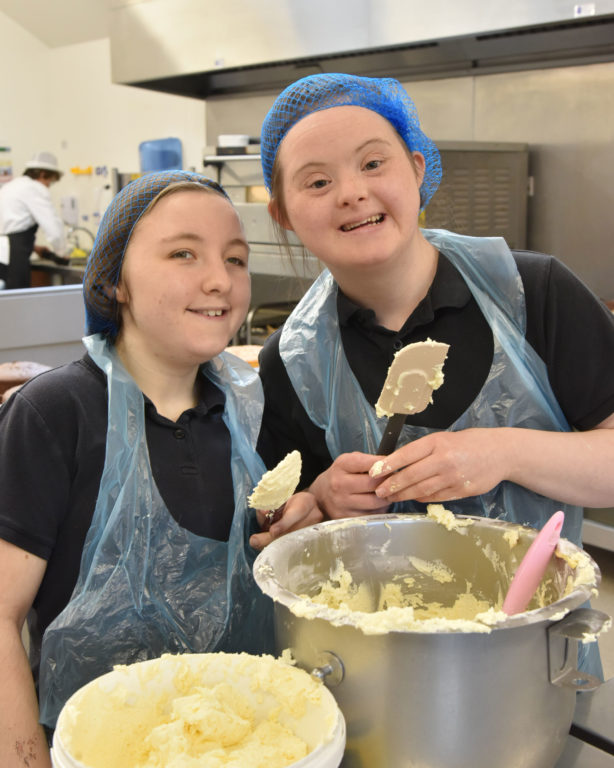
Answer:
(69, 274)
(44, 325)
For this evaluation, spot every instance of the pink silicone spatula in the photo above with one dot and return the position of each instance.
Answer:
(533, 566)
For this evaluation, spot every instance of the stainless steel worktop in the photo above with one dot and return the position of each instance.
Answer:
(42, 324)
(59, 274)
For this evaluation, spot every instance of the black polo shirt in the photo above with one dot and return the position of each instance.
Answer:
(52, 443)
(570, 329)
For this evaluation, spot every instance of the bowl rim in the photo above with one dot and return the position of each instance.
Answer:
(264, 574)
(334, 744)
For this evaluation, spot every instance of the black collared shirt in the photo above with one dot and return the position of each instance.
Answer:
(190, 461)
(568, 326)
(52, 444)
(447, 306)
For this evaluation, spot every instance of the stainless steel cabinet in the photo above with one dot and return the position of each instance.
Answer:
(483, 191)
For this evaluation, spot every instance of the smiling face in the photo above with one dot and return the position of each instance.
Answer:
(349, 189)
(184, 288)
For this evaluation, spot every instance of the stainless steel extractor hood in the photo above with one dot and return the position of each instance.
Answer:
(201, 48)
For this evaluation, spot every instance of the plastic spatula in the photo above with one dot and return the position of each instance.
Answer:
(533, 566)
(415, 372)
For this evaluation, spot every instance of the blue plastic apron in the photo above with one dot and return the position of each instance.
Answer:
(146, 585)
(516, 393)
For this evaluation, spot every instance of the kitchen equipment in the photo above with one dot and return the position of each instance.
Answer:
(106, 722)
(69, 209)
(442, 699)
(251, 47)
(232, 143)
(415, 372)
(279, 280)
(533, 566)
(26, 313)
(237, 144)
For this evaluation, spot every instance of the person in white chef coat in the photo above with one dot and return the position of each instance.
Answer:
(26, 205)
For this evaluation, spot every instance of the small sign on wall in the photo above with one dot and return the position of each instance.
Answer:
(583, 9)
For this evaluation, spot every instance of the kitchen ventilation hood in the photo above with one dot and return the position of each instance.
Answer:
(201, 49)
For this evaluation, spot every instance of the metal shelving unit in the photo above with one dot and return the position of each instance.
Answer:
(220, 161)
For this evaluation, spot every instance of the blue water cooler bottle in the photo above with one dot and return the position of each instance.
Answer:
(160, 155)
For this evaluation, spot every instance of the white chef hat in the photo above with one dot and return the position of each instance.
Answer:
(44, 161)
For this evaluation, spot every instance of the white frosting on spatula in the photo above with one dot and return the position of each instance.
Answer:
(277, 485)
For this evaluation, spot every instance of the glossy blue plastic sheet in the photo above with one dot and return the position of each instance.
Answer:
(148, 586)
(516, 393)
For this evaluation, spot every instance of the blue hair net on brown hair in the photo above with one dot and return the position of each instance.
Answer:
(385, 96)
(105, 260)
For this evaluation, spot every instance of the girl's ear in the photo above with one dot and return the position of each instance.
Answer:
(278, 216)
(419, 166)
(121, 296)
(116, 293)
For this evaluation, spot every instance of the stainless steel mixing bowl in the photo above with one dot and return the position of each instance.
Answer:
(438, 699)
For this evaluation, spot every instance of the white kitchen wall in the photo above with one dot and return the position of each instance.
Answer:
(62, 99)
(22, 78)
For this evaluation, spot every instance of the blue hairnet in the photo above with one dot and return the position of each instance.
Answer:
(105, 260)
(385, 96)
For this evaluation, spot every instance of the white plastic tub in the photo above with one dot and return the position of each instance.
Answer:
(106, 723)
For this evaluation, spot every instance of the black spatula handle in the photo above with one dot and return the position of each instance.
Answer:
(391, 434)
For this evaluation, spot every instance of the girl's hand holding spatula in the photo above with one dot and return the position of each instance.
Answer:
(443, 466)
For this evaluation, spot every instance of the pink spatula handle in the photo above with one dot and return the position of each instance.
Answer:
(533, 566)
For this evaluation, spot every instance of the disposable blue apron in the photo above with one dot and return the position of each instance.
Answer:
(146, 585)
(516, 393)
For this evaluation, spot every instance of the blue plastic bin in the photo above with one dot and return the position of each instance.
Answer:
(160, 155)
